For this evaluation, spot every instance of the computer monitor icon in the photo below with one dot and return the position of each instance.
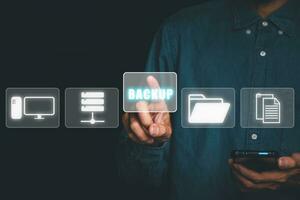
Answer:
(39, 106)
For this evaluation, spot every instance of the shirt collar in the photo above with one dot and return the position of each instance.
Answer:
(284, 18)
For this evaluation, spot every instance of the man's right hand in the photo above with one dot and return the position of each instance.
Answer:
(149, 127)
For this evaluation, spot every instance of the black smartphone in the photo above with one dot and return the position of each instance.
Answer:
(256, 160)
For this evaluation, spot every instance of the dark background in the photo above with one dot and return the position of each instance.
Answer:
(70, 44)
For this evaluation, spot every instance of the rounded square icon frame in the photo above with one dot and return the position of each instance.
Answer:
(86, 127)
(208, 126)
(268, 126)
(32, 127)
(176, 101)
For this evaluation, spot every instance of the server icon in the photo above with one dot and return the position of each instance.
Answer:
(92, 102)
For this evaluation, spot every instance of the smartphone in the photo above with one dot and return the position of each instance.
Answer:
(257, 160)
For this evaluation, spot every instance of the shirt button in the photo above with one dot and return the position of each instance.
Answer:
(280, 32)
(262, 53)
(254, 136)
(248, 31)
(265, 23)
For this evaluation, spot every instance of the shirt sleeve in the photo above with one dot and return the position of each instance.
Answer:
(142, 164)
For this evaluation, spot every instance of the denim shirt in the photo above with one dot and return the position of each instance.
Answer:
(218, 44)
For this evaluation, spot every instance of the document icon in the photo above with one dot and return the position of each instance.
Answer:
(202, 110)
(267, 108)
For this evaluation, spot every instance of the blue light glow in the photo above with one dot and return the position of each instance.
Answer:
(263, 153)
(147, 94)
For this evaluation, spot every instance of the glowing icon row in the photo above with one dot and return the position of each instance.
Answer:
(200, 107)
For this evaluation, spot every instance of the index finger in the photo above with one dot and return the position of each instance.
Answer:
(144, 114)
(161, 104)
(153, 82)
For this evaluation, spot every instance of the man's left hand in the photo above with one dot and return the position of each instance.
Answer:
(287, 175)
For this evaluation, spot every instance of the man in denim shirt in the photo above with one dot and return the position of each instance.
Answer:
(219, 43)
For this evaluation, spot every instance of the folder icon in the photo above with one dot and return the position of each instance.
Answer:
(203, 110)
